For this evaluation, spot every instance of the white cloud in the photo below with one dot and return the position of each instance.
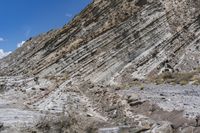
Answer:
(27, 30)
(1, 39)
(3, 53)
(68, 15)
(27, 33)
(20, 44)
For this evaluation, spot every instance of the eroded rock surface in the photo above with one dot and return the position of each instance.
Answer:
(115, 40)
(67, 80)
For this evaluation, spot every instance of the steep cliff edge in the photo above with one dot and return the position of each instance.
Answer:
(69, 79)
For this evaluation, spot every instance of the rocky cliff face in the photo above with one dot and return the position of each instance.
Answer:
(114, 40)
(109, 43)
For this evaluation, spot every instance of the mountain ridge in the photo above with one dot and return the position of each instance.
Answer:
(64, 45)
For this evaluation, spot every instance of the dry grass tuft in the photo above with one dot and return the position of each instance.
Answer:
(181, 78)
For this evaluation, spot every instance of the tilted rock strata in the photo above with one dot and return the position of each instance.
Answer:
(70, 70)
(115, 40)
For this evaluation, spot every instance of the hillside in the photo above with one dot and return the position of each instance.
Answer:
(95, 67)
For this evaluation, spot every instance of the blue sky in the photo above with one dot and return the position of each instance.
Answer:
(22, 19)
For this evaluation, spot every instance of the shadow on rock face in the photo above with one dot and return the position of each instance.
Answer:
(2, 88)
(141, 2)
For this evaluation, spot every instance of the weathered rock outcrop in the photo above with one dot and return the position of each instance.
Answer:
(71, 72)
(115, 40)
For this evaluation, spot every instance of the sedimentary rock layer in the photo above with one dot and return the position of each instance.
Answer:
(68, 79)
(115, 41)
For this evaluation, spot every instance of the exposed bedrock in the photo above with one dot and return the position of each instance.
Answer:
(69, 79)
(114, 41)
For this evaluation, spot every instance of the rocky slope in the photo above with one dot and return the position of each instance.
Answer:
(58, 80)
(132, 39)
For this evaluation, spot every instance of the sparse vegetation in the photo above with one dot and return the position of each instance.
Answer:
(128, 85)
(74, 45)
(181, 78)
(58, 78)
